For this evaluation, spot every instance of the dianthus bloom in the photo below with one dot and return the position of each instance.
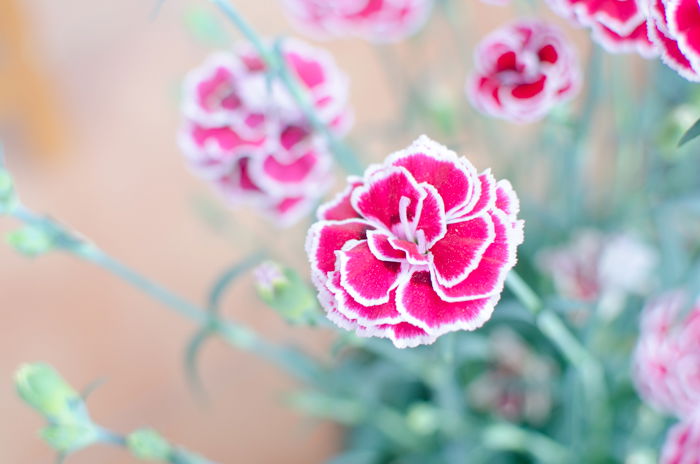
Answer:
(245, 133)
(418, 247)
(667, 357)
(522, 70)
(620, 26)
(374, 20)
(682, 443)
(674, 26)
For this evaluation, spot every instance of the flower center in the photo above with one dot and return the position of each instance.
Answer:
(262, 95)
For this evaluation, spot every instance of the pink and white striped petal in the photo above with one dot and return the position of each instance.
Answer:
(420, 305)
(367, 279)
(327, 237)
(384, 313)
(440, 167)
(489, 276)
(383, 194)
(461, 249)
(339, 207)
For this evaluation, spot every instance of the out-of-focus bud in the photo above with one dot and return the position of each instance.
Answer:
(148, 445)
(422, 418)
(40, 386)
(70, 437)
(8, 199)
(30, 241)
(284, 291)
(443, 111)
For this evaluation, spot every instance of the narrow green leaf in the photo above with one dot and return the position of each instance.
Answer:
(690, 134)
(229, 276)
(192, 351)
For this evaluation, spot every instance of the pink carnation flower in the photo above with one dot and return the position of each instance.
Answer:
(674, 26)
(618, 25)
(522, 70)
(667, 356)
(245, 134)
(682, 443)
(374, 20)
(418, 247)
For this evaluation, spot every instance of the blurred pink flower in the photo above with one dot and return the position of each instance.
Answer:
(667, 356)
(594, 264)
(522, 70)
(682, 443)
(245, 134)
(373, 20)
(418, 247)
(618, 25)
(674, 26)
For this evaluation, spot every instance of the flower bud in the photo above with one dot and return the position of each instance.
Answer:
(284, 291)
(30, 241)
(7, 192)
(70, 437)
(148, 445)
(40, 386)
(423, 418)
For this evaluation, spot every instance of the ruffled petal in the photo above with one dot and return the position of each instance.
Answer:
(460, 251)
(488, 277)
(381, 197)
(339, 207)
(384, 313)
(367, 279)
(327, 237)
(418, 302)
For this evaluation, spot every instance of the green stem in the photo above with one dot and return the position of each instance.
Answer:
(234, 334)
(513, 438)
(589, 368)
(278, 68)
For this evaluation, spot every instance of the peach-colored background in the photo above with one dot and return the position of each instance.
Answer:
(120, 180)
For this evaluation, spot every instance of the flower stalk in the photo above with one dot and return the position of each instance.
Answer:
(279, 69)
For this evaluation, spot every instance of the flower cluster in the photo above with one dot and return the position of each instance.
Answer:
(618, 25)
(674, 26)
(667, 371)
(418, 247)
(522, 70)
(374, 20)
(244, 132)
(670, 28)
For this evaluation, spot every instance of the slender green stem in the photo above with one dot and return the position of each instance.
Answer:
(510, 437)
(278, 68)
(589, 368)
(234, 334)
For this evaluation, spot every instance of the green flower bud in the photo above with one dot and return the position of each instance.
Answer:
(284, 291)
(147, 444)
(70, 437)
(7, 192)
(30, 241)
(422, 418)
(41, 387)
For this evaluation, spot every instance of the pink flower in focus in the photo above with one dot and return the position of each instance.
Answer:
(245, 134)
(522, 70)
(618, 25)
(674, 26)
(682, 443)
(418, 247)
(667, 356)
(374, 20)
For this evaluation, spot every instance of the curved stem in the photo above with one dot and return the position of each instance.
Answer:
(278, 67)
(589, 368)
(234, 334)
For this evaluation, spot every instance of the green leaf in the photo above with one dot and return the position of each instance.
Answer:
(229, 276)
(690, 134)
(191, 356)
